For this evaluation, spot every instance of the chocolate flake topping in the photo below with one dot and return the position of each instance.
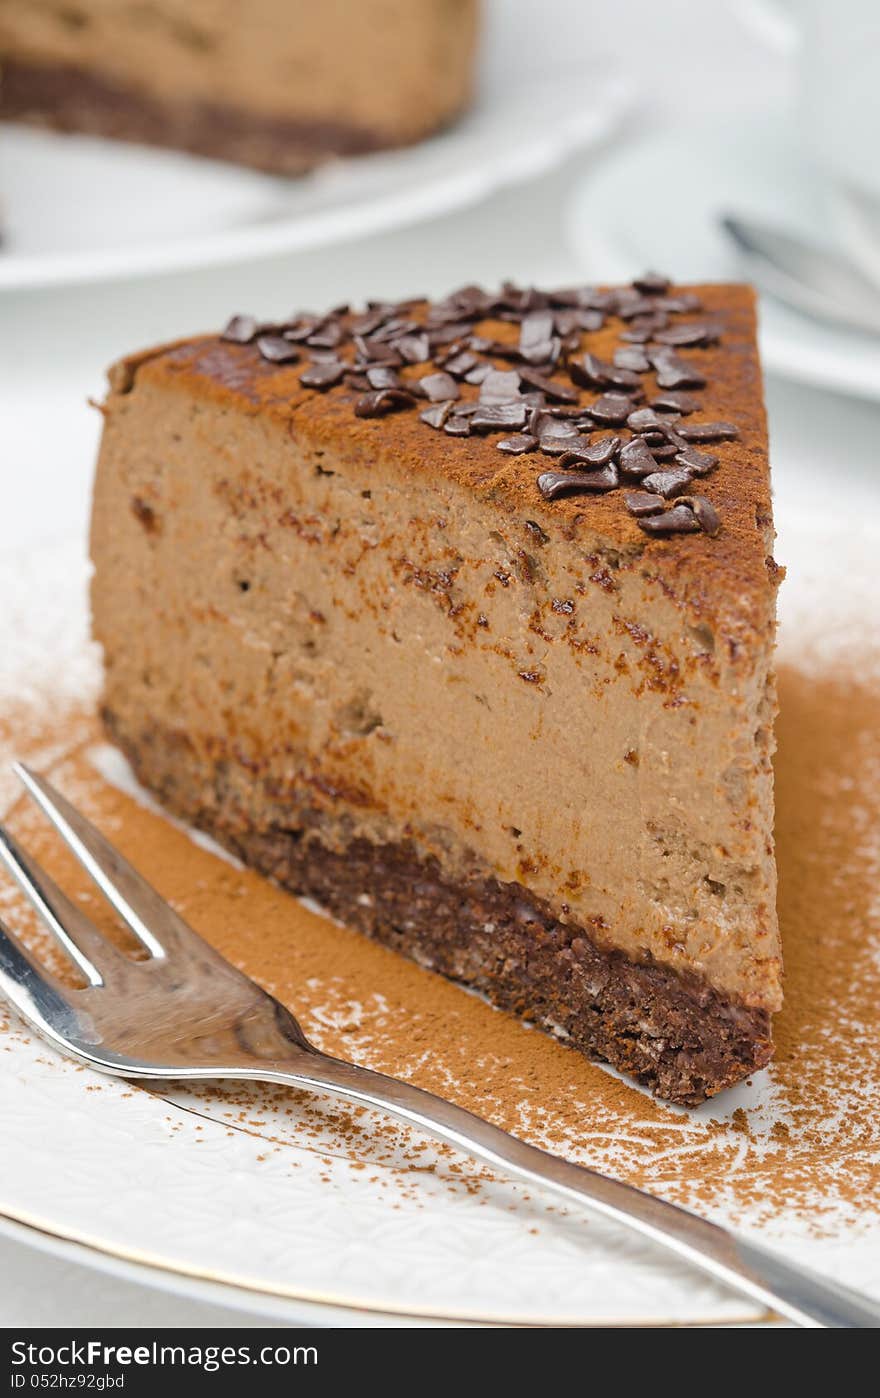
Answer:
(675, 402)
(651, 283)
(384, 400)
(240, 329)
(495, 417)
(668, 483)
(322, 376)
(276, 349)
(437, 415)
(552, 484)
(611, 408)
(457, 427)
(708, 431)
(643, 502)
(381, 376)
(528, 388)
(675, 372)
(698, 462)
(438, 387)
(705, 512)
(636, 458)
(595, 453)
(678, 520)
(646, 419)
(499, 387)
(518, 444)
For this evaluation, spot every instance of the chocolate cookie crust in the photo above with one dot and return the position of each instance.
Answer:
(672, 1032)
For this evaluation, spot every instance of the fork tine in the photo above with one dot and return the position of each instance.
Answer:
(137, 903)
(87, 948)
(33, 990)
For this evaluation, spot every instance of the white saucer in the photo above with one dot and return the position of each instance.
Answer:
(78, 209)
(657, 204)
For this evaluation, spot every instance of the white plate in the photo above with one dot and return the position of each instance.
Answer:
(78, 209)
(274, 1212)
(657, 204)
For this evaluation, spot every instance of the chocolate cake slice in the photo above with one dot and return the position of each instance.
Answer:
(459, 618)
(278, 84)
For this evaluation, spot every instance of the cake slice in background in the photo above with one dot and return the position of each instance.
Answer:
(279, 84)
(460, 619)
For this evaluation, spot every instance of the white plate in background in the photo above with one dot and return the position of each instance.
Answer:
(657, 203)
(82, 209)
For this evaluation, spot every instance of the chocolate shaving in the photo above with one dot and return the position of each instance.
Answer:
(683, 303)
(277, 350)
(596, 453)
(705, 512)
(641, 502)
(535, 336)
(668, 483)
(679, 520)
(457, 427)
(589, 372)
(647, 420)
(322, 376)
(517, 445)
(708, 431)
(660, 447)
(552, 484)
(437, 415)
(672, 402)
(413, 349)
(652, 283)
(494, 417)
(699, 462)
(240, 330)
(636, 459)
(675, 372)
(461, 364)
(611, 408)
(382, 402)
(558, 392)
(634, 359)
(328, 337)
(438, 387)
(499, 386)
(382, 376)
(687, 335)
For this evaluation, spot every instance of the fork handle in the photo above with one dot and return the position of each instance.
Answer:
(793, 1292)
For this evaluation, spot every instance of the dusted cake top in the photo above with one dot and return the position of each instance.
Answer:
(608, 441)
(634, 413)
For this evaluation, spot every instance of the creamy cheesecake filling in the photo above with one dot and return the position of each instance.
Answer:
(416, 667)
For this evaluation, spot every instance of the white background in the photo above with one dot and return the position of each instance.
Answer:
(691, 59)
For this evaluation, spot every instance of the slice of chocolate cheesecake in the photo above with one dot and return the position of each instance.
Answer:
(278, 84)
(459, 618)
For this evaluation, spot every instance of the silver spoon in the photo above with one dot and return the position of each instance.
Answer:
(816, 280)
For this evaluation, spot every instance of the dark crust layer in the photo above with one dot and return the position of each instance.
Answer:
(71, 99)
(673, 1033)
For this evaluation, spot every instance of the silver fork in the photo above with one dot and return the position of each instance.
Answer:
(183, 1011)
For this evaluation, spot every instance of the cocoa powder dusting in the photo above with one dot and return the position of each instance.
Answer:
(803, 1138)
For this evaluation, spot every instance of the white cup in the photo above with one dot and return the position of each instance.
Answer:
(835, 47)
